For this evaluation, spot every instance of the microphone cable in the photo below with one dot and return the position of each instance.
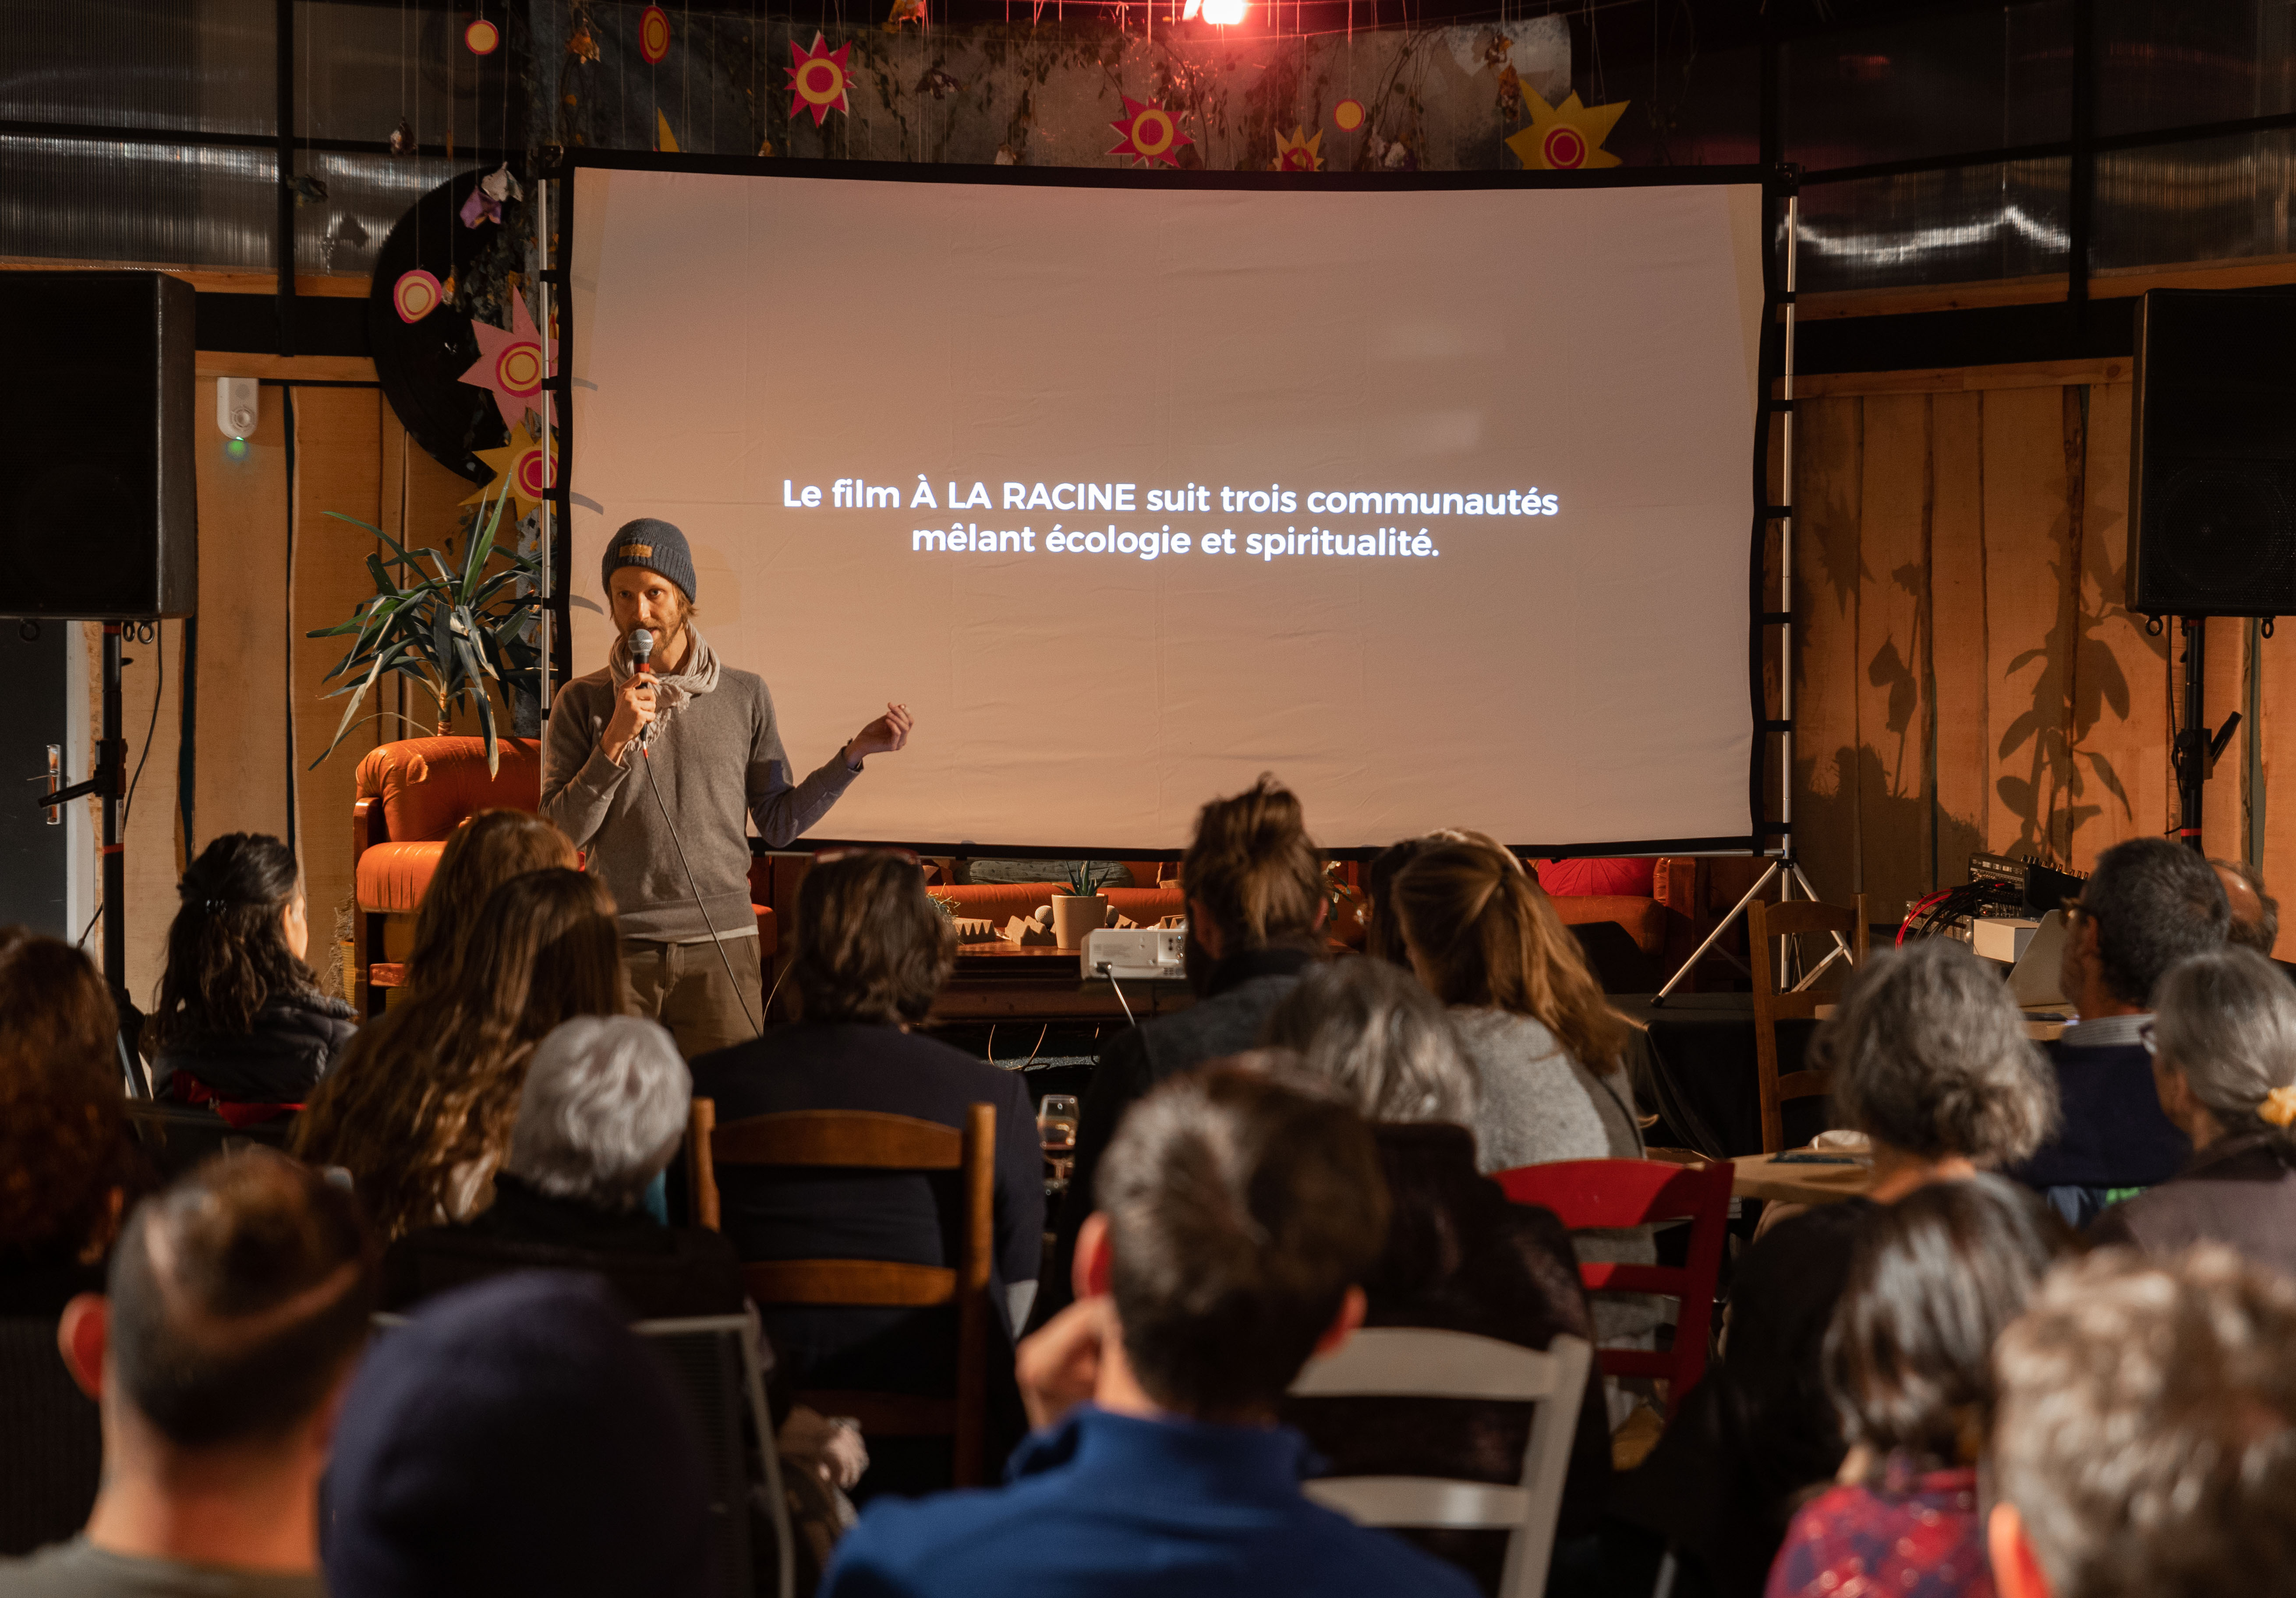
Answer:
(645, 756)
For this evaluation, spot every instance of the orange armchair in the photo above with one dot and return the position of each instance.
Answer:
(412, 796)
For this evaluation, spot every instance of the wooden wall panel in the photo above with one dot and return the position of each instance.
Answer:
(2224, 798)
(2029, 569)
(2118, 675)
(1893, 690)
(339, 434)
(1828, 580)
(1962, 783)
(241, 733)
(2277, 761)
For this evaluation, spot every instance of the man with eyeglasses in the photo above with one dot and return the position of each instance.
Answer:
(2150, 903)
(670, 841)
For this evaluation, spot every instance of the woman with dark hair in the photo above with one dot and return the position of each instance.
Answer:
(2223, 1041)
(482, 854)
(1459, 1256)
(421, 1110)
(872, 953)
(1934, 1280)
(66, 1165)
(239, 1020)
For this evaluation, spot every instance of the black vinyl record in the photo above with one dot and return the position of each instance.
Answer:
(421, 364)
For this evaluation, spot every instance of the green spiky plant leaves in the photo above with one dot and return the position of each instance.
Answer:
(449, 628)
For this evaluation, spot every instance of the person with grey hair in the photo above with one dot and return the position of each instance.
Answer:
(1929, 1060)
(2222, 1040)
(600, 1116)
(2149, 904)
(2255, 913)
(1459, 1256)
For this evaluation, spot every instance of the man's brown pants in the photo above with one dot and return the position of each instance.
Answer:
(683, 986)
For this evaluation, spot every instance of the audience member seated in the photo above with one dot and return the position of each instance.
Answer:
(1930, 1062)
(67, 1166)
(420, 1109)
(239, 1023)
(480, 855)
(238, 1303)
(2150, 903)
(1932, 1282)
(2255, 913)
(2144, 1443)
(602, 1113)
(1256, 913)
(2224, 1046)
(1237, 1214)
(871, 954)
(1382, 931)
(1459, 1256)
(516, 1437)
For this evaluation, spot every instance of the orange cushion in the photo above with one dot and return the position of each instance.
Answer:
(429, 786)
(392, 876)
(1645, 919)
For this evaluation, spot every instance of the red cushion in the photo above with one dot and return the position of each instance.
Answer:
(1628, 878)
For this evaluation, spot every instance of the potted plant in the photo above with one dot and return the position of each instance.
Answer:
(1083, 908)
(452, 626)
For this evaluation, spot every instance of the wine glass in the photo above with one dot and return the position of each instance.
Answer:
(1056, 1131)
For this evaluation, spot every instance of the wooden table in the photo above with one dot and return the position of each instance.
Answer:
(1760, 1176)
(1037, 982)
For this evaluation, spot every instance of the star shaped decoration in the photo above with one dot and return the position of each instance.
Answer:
(819, 80)
(1566, 138)
(1299, 150)
(526, 469)
(512, 366)
(1148, 134)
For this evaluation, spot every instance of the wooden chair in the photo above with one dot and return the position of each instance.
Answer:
(870, 1140)
(1588, 1195)
(1764, 924)
(1423, 1363)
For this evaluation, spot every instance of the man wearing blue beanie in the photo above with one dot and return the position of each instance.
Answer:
(670, 842)
(516, 1437)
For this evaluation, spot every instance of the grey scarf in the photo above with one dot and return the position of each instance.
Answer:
(697, 676)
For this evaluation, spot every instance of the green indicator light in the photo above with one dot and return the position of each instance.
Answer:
(236, 448)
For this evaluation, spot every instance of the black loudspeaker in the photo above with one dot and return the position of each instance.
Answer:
(98, 515)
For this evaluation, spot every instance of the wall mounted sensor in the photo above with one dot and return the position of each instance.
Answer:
(235, 410)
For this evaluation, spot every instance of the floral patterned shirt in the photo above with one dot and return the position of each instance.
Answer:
(1916, 1534)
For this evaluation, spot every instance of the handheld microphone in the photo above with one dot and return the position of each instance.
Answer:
(642, 663)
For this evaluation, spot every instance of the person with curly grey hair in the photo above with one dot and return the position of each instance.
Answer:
(1460, 1256)
(2223, 1041)
(1929, 1060)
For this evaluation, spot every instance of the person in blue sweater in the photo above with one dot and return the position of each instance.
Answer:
(1237, 1215)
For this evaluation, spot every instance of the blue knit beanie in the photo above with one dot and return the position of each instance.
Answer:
(654, 544)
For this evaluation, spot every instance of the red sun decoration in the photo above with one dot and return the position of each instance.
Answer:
(481, 36)
(1148, 134)
(819, 80)
(653, 35)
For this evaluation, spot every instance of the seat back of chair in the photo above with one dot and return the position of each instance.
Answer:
(1423, 1363)
(871, 1140)
(1602, 1194)
(179, 1137)
(1766, 923)
(713, 1360)
(50, 1439)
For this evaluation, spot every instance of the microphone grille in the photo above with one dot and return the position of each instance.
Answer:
(640, 644)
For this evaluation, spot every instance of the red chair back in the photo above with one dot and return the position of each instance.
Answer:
(1588, 1195)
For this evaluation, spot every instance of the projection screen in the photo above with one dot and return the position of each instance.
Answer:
(1436, 503)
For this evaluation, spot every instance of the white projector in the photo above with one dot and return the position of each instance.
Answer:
(1141, 954)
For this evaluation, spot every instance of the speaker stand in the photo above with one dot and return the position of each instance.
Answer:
(2194, 754)
(108, 783)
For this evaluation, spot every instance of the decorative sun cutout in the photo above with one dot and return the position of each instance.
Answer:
(481, 36)
(415, 295)
(1148, 134)
(819, 80)
(653, 35)
(1299, 150)
(1348, 114)
(526, 465)
(1566, 138)
(512, 366)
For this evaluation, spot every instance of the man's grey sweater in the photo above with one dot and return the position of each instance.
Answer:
(720, 755)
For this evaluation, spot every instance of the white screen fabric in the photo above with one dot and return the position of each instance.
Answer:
(1054, 466)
